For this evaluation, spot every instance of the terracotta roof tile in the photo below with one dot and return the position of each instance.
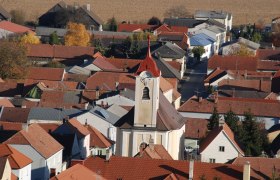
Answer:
(196, 128)
(38, 139)
(125, 64)
(214, 133)
(261, 167)
(17, 160)
(78, 128)
(268, 65)
(144, 168)
(105, 65)
(259, 107)
(134, 27)
(58, 51)
(256, 85)
(97, 139)
(233, 63)
(175, 65)
(15, 28)
(6, 103)
(49, 127)
(12, 114)
(51, 74)
(154, 151)
(77, 172)
(11, 126)
(214, 75)
(268, 54)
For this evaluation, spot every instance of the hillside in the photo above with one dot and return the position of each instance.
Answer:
(249, 11)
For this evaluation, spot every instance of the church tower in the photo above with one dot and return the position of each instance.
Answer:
(147, 92)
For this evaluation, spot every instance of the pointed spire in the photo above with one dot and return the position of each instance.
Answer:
(148, 64)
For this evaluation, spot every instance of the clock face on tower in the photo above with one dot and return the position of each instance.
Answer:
(143, 77)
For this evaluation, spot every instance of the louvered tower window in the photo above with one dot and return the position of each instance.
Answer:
(146, 93)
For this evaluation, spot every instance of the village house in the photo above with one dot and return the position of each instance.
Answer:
(6, 171)
(264, 110)
(219, 146)
(222, 17)
(20, 164)
(8, 29)
(41, 148)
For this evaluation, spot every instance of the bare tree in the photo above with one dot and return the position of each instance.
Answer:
(177, 11)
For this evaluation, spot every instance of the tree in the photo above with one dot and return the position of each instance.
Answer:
(251, 137)
(13, 60)
(18, 16)
(198, 51)
(76, 35)
(177, 12)
(256, 37)
(54, 38)
(112, 24)
(232, 121)
(96, 43)
(214, 119)
(30, 38)
(154, 21)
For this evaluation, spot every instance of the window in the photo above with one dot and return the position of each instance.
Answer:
(146, 95)
(222, 148)
(99, 152)
(212, 160)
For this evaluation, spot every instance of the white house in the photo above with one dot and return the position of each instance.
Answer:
(20, 164)
(45, 152)
(219, 146)
(208, 43)
(8, 28)
(220, 16)
(73, 126)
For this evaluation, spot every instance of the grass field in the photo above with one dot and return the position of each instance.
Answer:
(244, 11)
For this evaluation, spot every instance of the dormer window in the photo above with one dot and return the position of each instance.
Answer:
(146, 95)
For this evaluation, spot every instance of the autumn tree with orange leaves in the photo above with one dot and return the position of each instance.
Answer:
(76, 35)
(30, 38)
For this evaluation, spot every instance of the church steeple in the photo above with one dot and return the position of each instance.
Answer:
(148, 64)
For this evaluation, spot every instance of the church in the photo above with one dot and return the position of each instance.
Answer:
(153, 119)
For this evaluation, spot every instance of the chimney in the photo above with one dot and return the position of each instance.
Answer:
(191, 167)
(88, 7)
(24, 126)
(245, 74)
(260, 85)
(86, 105)
(221, 122)
(108, 154)
(200, 99)
(97, 92)
(246, 171)
(65, 119)
(102, 104)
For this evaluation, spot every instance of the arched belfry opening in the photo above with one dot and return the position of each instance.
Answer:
(146, 93)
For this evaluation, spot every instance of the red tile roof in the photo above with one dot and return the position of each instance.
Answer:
(11, 126)
(104, 65)
(277, 74)
(17, 160)
(15, 28)
(233, 63)
(144, 168)
(182, 29)
(261, 167)
(214, 133)
(6, 103)
(78, 128)
(216, 73)
(124, 64)
(148, 64)
(268, 65)
(163, 28)
(259, 107)
(49, 127)
(175, 65)
(196, 128)
(40, 73)
(12, 114)
(134, 27)
(39, 139)
(58, 51)
(257, 85)
(77, 172)
(268, 54)
(97, 139)
(154, 151)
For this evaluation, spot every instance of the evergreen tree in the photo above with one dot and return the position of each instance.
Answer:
(112, 24)
(198, 52)
(251, 136)
(232, 121)
(54, 38)
(154, 21)
(214, 119)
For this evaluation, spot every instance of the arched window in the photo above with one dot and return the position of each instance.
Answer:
(146, 93)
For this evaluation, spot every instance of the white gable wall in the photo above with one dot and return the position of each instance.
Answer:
(212, 150)
(23, 173)
(55, 162)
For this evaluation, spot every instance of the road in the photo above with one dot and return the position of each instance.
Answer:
(192, 83)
